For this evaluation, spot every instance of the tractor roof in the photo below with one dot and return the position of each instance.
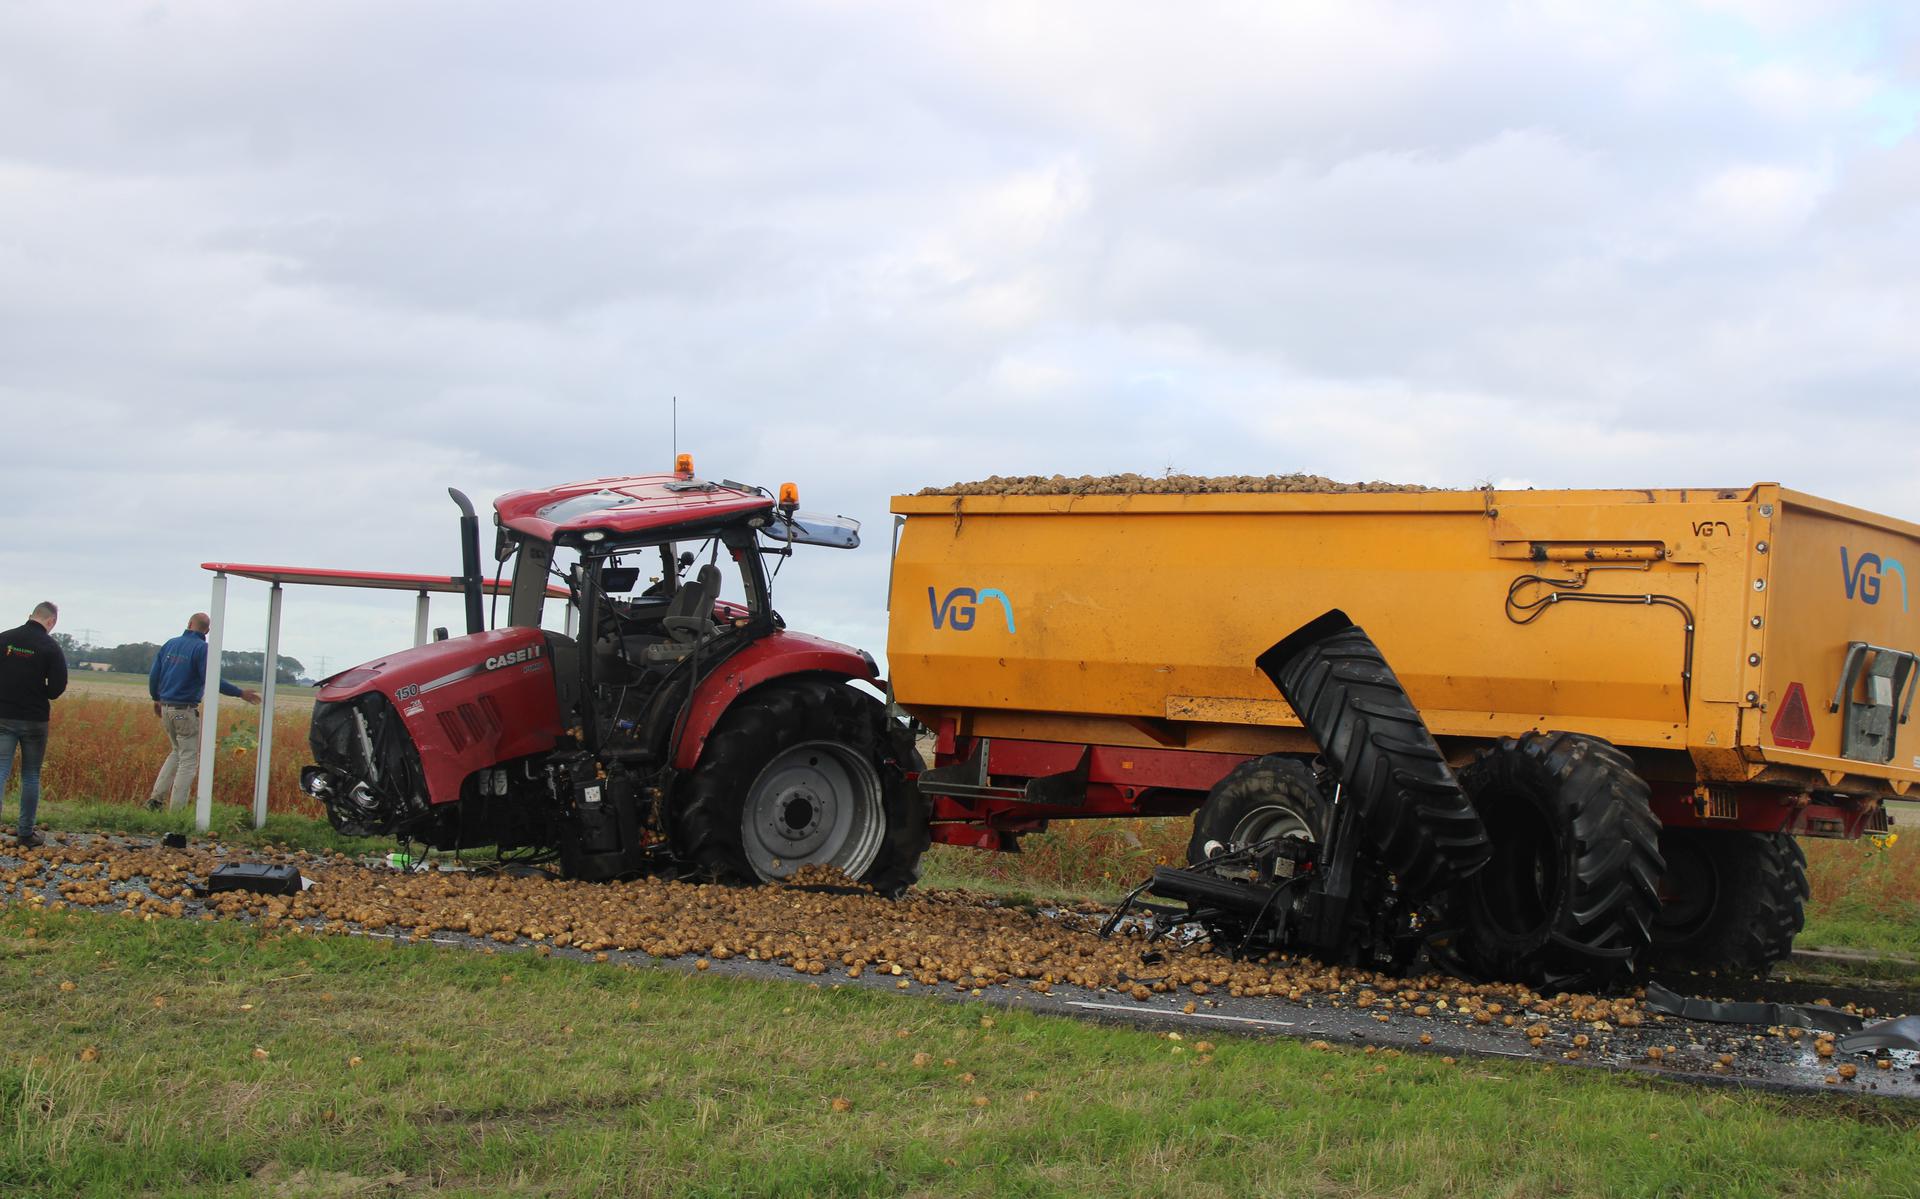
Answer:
(633, 506)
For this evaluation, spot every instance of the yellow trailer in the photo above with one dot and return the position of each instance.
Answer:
(1747, 655)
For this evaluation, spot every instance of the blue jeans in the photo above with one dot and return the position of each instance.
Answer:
(31, 737)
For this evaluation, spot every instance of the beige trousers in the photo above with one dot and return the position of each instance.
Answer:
(178, 773)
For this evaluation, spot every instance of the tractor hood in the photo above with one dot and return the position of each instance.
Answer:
(461, 705)
(427, 668)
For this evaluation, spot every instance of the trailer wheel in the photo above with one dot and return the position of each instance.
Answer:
(1415, 818)
(1733, 901)
(1258, 800)
(803, 773)
(1569, 897)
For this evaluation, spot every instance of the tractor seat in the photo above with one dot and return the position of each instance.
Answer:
(689, 618)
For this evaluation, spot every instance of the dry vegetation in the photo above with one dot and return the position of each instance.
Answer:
(107, 747)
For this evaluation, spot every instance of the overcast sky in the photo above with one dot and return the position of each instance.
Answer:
(273, 276)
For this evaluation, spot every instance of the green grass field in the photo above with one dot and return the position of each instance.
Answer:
(230, 824)
(207, 1060)
(134, 686)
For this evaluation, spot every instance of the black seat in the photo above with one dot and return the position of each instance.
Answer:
(689, 618)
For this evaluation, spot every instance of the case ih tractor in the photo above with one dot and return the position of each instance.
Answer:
(677, 732)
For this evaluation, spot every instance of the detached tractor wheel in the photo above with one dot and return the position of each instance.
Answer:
(1257, 801)
(1410, 807)
(1733, 901)
(807, 772)
(1568, 900)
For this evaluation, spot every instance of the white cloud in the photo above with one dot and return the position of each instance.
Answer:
(272, 277)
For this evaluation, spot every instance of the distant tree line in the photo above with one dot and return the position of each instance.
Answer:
(136, 657)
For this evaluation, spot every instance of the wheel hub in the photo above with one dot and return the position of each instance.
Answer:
(817, 803)
(799, 814)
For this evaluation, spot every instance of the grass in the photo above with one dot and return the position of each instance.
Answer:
(513, 1074)
(120, 679)
(231, 824)
(1865, 896)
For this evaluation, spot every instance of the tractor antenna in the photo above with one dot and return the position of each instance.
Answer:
(676, 428)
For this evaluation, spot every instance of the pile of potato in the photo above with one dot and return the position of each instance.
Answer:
(1131, 484)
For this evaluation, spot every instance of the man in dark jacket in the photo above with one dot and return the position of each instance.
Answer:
(33, 673)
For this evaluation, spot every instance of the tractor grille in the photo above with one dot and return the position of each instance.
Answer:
(471, 722)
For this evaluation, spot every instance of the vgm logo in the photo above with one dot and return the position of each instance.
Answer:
(961, 606)
(1864, 575)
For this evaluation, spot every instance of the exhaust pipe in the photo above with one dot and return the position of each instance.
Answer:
(470, 561)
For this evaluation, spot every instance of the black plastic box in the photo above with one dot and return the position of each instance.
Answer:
(255, 876)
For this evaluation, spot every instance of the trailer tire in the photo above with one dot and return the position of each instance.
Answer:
(1412, 811)
(1734, 901)
(826, 753)
(1258, 799)
(1568, 899)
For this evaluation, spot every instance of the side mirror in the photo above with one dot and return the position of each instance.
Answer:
(812, 528)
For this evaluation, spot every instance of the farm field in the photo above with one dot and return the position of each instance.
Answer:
(177, 1058)
(287, 696)
(106, 749)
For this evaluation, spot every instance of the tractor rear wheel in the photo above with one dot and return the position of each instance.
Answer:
(806, 772)
(1733, 901)
(1568, 900)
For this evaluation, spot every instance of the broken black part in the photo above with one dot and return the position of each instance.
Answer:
(1900, 1033)
(1768, 1015)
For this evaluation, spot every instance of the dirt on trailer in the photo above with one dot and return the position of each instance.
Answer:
(951, 943)
(1132, 484)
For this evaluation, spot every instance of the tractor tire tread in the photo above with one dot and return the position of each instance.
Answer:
(1600, 923)
(704, 823)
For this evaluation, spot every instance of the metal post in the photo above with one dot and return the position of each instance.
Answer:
(420, 630)
(572, 617)
(210, 705)
(262, 767)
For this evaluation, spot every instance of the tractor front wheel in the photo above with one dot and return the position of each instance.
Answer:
(1259, 800)
(803, 773)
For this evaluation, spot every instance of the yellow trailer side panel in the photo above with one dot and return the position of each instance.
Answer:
(1151, 608)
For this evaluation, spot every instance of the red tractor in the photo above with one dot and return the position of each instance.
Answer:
(678, 732)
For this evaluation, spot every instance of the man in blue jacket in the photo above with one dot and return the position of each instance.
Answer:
(33, 673)
(177, 683)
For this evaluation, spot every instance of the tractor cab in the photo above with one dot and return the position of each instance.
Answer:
(654, 557)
